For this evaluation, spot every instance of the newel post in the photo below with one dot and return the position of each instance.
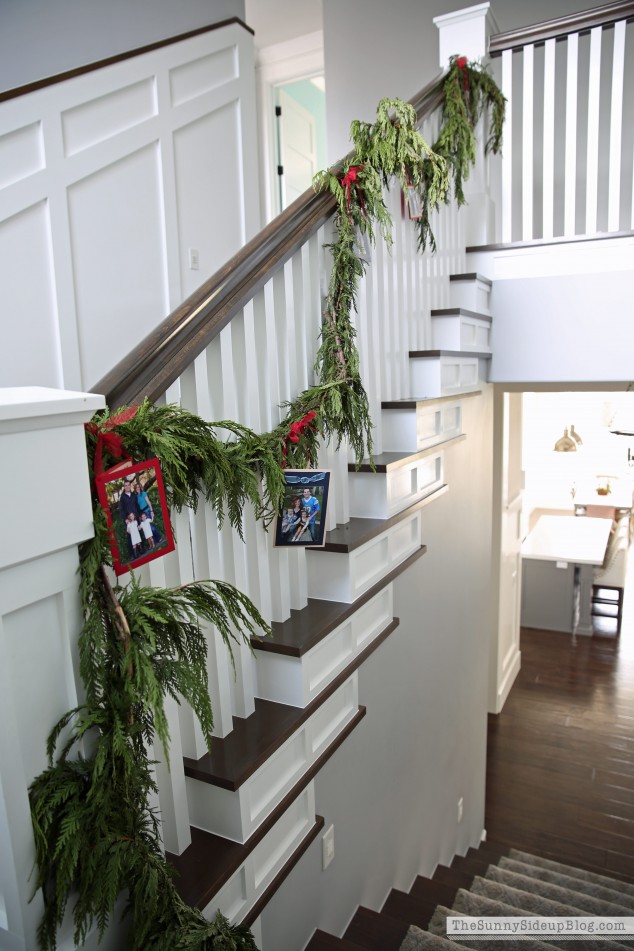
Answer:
(45, 512)
(466, 33)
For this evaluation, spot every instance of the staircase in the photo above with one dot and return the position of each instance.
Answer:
(491, 881)
(366, 645)
(251, 800)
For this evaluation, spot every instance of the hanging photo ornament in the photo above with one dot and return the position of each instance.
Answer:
(410, 198)
(301, 521)
(133, 497)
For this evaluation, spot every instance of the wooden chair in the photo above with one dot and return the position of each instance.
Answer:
(609, 580)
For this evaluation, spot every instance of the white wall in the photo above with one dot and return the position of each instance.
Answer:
(40, 39)
(392, 788)
(106, 181)
(562, 313)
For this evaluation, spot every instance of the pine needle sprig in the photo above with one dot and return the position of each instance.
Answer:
(469, 91)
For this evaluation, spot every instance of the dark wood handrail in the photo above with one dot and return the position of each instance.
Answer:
(17, 91)
(559, 28)
(172, 346)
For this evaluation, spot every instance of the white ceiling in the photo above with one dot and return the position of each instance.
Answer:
(275, 21)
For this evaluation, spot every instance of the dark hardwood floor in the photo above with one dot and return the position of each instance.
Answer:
(560, 765)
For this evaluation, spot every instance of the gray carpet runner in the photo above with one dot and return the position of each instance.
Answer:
(526, 885)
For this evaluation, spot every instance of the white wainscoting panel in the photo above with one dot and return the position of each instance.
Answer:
(335, 576)
(246, 885)
(107, 180)
(383, 494)
(237, 814)
(298, 680)
(461, 331)
(425, 426)
(444, 375)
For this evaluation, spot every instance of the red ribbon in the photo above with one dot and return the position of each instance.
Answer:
(461, 63)
(348, 181)
(111, 442)
(296, 430)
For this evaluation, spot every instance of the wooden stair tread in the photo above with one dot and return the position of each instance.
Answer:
(412, 402)
(321, 941)
(470, 276)
(448, 877)
(205, 865)
(417, 910)
(375, 931)
(472, 865)
(357, 531)
(306, 628)
(389, 461)
(252, 741)
(462, 312)
(435, 354)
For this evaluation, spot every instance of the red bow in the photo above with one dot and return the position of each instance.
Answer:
(296, 430)
(461, 63)
(350, 179)
(110, 441)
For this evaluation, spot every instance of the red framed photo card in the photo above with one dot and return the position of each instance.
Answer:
(133, 498)
(302, 519)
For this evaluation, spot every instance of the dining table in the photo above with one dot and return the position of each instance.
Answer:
(559, 555)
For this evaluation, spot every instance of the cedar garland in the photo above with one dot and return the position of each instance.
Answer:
(96, 834)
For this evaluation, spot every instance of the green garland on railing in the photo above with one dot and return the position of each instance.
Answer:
(469, 90)
(96, 834)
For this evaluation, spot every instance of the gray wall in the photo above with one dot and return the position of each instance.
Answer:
(40, 38)
(374, 49)
(391, 790)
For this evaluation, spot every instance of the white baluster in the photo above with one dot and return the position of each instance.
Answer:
(278, 325)
(549, 139)
(592, 159)
(312, 256)
(301, 310)
(616, 119)
(527, 144)
(171, 780)
(570, 173)
(507, 152)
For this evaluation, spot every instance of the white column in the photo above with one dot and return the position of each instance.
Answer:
(45, 512)
(465, 33)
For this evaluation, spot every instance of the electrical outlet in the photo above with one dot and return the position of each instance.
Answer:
(328, 846)
(194, 259)
(460, 809)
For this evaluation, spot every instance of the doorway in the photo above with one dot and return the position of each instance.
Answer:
(300, 112)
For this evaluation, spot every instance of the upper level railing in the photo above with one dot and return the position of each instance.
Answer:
(154, 364)
(569, 137)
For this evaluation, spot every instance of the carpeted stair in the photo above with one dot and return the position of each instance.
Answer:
(488, 881)
(522, 884)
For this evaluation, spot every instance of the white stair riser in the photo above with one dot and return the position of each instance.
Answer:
(410, 430)
(383, 494)
(443, 376)
(298, 680)
(248, 882)
(472, 295)
(237, 814)
(344, 577)
(459, 332)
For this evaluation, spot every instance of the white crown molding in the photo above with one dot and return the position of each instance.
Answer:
(299, 58)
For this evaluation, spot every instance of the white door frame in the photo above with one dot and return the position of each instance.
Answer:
(300, 58)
